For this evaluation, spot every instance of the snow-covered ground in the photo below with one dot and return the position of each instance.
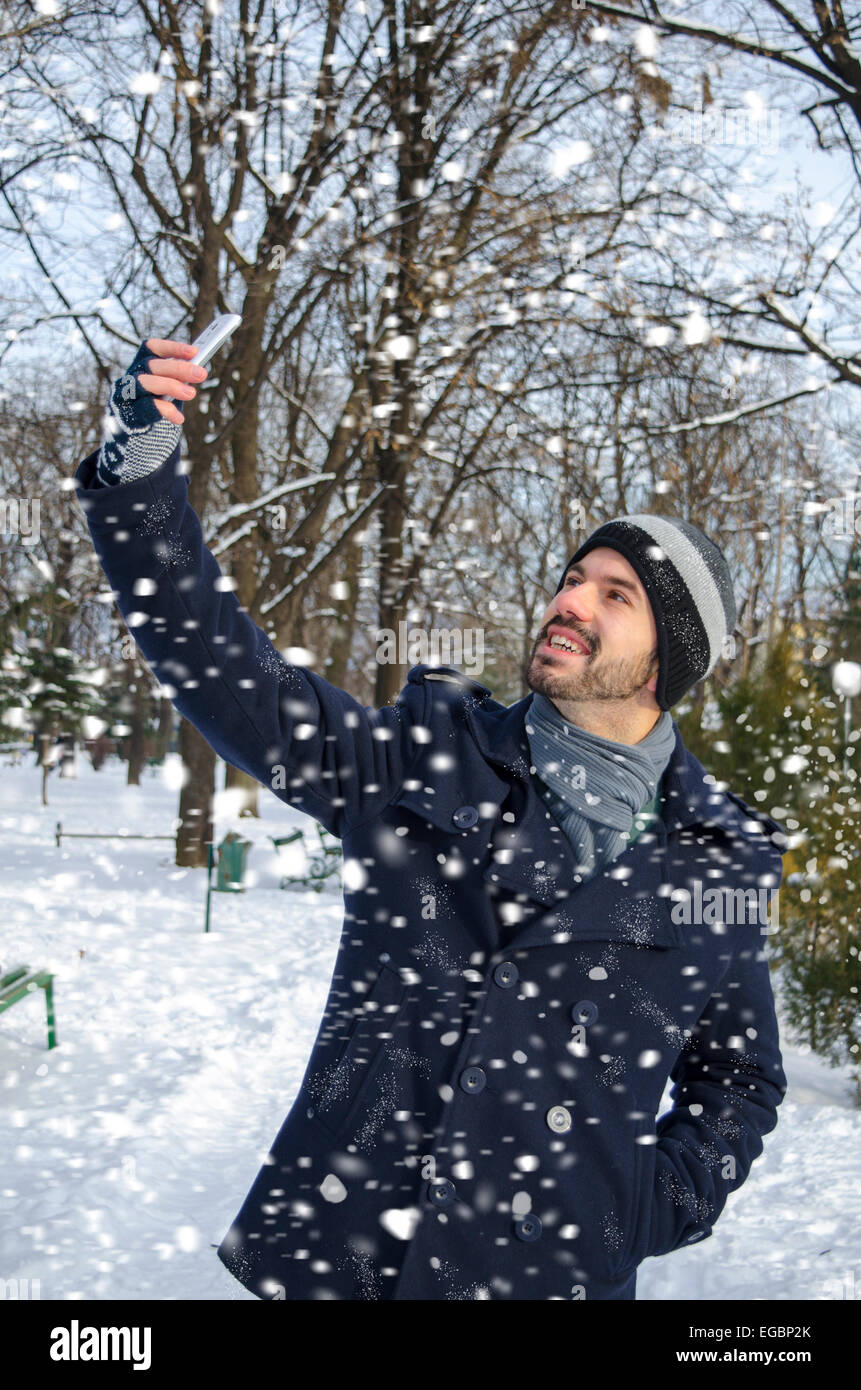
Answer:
(126, 1151)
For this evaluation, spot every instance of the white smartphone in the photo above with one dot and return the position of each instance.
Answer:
(212, 337)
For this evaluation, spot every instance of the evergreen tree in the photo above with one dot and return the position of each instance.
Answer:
(56, 691)
(780, 744)
(13, 699)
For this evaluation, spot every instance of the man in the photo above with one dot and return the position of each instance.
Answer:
(517, 975)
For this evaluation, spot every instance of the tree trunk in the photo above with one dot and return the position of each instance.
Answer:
(39, 736)
(197, 757)
(195, 798)
(137, 738)
(237, 780)
(48, 732)
(164, 732)
(814, 1032)
(342, 641)
(244, 487)
(698, 706)
(391, 675)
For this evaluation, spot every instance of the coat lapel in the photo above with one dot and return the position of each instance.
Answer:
(533, 868)
(533, 859)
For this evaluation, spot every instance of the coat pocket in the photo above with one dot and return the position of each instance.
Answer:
(646, 922)
(345, 1085)
(638, 1220)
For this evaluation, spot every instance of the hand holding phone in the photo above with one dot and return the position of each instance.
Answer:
(175, 365)
(212, 337)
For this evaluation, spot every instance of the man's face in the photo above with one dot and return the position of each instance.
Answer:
(603, 605)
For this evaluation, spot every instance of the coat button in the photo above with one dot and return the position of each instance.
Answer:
(584, 1012)
(558, 1119)
(527, 1227)
(472, 1079)
(506, 975)
(465, 817)
(441, 1191)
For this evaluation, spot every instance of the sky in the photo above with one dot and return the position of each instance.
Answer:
(71, 205)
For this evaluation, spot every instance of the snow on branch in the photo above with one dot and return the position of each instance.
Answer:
(241, 509)
(725, 417)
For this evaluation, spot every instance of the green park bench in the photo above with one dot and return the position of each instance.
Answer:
(232, 863)
(322, 862)
(19, 982)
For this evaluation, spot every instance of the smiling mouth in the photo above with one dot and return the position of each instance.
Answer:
(558, 645)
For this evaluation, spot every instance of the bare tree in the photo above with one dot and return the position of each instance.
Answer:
(440, 223)
(810, 57)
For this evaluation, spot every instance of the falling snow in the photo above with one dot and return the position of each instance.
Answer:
(193, 1083)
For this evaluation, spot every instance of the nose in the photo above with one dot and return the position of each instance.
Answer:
(577, 601)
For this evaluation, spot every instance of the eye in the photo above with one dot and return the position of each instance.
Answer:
(575, 579)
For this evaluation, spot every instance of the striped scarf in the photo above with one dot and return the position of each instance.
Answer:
(594, 786)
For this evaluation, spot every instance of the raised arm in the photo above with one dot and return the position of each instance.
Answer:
(313, 745)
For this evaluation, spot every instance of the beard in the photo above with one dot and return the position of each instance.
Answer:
(592, 678)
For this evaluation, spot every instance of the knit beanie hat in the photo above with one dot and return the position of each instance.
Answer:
(687, 580)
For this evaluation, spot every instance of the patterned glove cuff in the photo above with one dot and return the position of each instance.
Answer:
(142, 454)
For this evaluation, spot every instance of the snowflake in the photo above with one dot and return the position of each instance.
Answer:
(155, 517)
(172, 552)
(388, 1091)
(681, 1196)
(613, 1071)
(612, 1232)
(274, 665)
(365, 1272)
(434, 951)
(456, 1290)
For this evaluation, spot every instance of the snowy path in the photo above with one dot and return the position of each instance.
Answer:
(127, 1150)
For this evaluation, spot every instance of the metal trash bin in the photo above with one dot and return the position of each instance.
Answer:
(232, 856)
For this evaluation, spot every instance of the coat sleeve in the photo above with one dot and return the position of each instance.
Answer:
(728, 1083)
(313, 745)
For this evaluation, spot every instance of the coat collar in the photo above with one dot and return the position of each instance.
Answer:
(690, 793)
(533, 858)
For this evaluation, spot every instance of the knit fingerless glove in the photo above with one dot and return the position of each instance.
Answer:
(137, 438)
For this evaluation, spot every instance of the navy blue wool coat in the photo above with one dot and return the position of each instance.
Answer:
(477, 1119)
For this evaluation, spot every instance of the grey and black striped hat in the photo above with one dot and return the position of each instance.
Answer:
(689, 587)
